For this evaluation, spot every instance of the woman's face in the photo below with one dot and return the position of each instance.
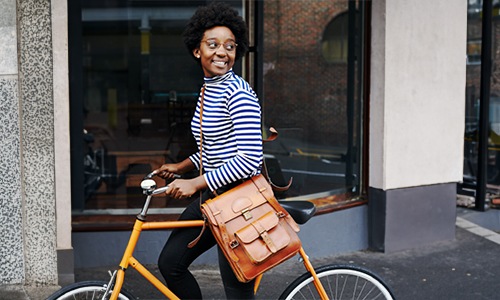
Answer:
(217, 51)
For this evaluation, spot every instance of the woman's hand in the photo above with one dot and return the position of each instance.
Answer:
(181, 188)
(184, 188)
(167, 171)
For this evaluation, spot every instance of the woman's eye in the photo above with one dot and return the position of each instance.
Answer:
(212, 45)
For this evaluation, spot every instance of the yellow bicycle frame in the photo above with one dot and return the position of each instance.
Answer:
(129, 260)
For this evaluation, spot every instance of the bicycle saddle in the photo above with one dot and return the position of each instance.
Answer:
(301, 211)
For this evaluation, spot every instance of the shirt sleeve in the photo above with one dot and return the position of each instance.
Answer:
(245, 113)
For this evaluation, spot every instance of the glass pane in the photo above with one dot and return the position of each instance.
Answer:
(472, 101)
(472, 91)
(314, 104)
(140, 88)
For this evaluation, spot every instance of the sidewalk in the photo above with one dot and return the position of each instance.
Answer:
(467, 267)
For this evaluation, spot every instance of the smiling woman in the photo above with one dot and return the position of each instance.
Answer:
(227, 128)
(216, 60)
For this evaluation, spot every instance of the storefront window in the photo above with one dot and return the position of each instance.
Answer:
(134, 88)
(473, 88)
(316, 106)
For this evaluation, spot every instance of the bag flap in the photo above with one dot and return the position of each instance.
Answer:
(251, 232)
(241, 204)
(234, 202)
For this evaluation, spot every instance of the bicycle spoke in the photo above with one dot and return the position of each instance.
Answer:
(340, 283)
(362, 290)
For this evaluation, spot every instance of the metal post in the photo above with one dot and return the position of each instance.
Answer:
(259, 48)
(351, 81)
(76, 104)
(484, 106)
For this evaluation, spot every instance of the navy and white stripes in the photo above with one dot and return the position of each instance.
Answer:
(232, 137)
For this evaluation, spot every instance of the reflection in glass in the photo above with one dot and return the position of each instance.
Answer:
(314, 104)
(140, 86)
(472, 103)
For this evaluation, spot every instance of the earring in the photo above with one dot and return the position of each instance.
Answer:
(197, 56)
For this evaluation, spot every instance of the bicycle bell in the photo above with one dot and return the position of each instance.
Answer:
(148, 185)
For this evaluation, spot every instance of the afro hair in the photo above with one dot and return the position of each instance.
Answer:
(216, 14)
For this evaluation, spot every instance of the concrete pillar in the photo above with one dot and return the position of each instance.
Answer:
(11, 201)
(34, 122)
(416, 120)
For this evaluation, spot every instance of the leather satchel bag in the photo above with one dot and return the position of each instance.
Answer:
(252, 229)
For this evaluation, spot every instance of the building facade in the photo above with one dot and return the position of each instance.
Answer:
(368, 97)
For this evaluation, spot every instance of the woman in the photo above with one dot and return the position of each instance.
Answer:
(231, 144)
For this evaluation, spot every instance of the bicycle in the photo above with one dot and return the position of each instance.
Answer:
(326, 282)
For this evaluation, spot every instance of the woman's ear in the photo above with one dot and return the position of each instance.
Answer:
(196, 53)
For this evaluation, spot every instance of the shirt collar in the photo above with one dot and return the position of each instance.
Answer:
(218, 79)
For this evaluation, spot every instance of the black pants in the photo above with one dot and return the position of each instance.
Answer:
(176, 257)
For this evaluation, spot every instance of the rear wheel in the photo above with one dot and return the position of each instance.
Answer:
(87, 290)
(340, 282)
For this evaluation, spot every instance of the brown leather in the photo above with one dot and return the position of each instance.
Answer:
(250, 226)
(273, 136)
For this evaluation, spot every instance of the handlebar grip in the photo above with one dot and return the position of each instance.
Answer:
(153, 174)
(149, 176)
(160, 190)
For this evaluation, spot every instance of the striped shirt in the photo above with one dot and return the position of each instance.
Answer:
(232, 137)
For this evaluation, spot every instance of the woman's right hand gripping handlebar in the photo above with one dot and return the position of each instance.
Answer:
(180, 188)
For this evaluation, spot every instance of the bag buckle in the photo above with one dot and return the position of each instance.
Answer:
(281, 214)
(233, 244)
(247, 214)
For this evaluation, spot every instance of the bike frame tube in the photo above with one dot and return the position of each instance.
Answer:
(257, 283)
(132, 242)
(172, 224)
(128, 259)
(151, 278)
(310, 268)
(120, 277)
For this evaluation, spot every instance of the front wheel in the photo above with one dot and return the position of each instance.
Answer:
(87, 290)
(340, 282)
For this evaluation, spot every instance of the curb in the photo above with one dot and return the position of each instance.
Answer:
(478, 230)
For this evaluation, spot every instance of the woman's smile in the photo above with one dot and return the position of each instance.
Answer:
(217, 51)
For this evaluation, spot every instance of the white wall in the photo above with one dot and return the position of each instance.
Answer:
(417, 96)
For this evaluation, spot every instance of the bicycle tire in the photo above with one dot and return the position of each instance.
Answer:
(340, 282)
(87, 290)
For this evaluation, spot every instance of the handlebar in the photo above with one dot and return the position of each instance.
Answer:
(153, 174)
(148, 185)
(301, 211)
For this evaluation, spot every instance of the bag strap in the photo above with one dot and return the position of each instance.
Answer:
(222, 226)
(195, 241)
(276, 188)
(281, 212)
